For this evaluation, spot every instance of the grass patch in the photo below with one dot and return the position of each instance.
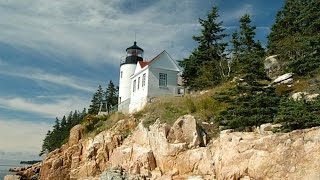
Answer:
(94, 124)
(200, 104)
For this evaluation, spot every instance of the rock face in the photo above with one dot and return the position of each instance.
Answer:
(179, 152)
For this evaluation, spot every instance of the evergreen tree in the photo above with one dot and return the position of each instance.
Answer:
(56, 126)
(250, 103)
(298, 114)
(295, 36)
(111, 95)
(45, 144)
(64, 123)
(69, 120)
(96, 101)
(208, 63)
(75, 118)
(248, 55)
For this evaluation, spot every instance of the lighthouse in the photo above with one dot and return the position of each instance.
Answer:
(127, 68)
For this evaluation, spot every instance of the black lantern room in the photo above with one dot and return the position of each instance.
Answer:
(134, 54)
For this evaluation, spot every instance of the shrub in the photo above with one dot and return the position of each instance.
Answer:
(298, 114)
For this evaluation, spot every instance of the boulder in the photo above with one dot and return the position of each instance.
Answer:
(271, 66)
(76, 133)
(284, 79)
(299, 95)
(186, 130)
(12, 177)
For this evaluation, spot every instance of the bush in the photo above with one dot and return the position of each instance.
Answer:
(248, 105)
(298, 114)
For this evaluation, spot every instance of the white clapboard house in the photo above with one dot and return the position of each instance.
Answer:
(140, 80)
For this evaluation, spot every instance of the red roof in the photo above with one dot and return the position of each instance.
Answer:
(143, 63)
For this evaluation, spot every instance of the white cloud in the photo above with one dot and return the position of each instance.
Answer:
(56, 107)
(96, 31)
(40, 75)
(20, 139)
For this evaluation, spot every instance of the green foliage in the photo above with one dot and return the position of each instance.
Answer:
(60, 132)
(295, 37)
(298, 114)
(208, 63)
(111, 96)
(248, 105)
(104, 101)
(95, 124)
(96, 101)
(247, 54)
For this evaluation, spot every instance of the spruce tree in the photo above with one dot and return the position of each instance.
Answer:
(96, 101)
(111, 95)
(208, 63)
(295, 37)
(247, 54)
(250, 103)
(298, 114)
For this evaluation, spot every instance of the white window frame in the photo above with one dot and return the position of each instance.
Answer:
(163, 80)
(138, 82)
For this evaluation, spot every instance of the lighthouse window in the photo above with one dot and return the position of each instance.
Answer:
(143, 79)
(121, 74)
(162, 80)
(138, 82)
(134, 86)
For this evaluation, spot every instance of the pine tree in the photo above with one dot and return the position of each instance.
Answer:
(96, 101)
(295, 36)
(250, 103)
(64, 123)
(111, 95)
(298, 114)
(56, 126)
(45, 144)
(208, 63)
(69, 120)
(247, 60)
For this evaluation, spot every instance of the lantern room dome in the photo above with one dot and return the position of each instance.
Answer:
(135, 46)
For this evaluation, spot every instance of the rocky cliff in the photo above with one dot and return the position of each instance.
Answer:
(181, 151)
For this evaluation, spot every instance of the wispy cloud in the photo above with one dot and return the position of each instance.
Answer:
(39, 75)
(56, 107)
(96, 31)
(20, 135)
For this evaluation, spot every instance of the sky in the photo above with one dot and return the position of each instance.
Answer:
(54, 54)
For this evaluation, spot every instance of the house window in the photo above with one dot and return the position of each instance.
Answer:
(143, 79)
(138, 82)
(134, 86)
(162, 80)
(121, 74)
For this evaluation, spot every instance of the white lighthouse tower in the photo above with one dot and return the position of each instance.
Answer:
(127, 68)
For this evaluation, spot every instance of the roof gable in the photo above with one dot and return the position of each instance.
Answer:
(164, 61)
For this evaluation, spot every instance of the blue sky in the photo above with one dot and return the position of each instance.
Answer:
(54, 54)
